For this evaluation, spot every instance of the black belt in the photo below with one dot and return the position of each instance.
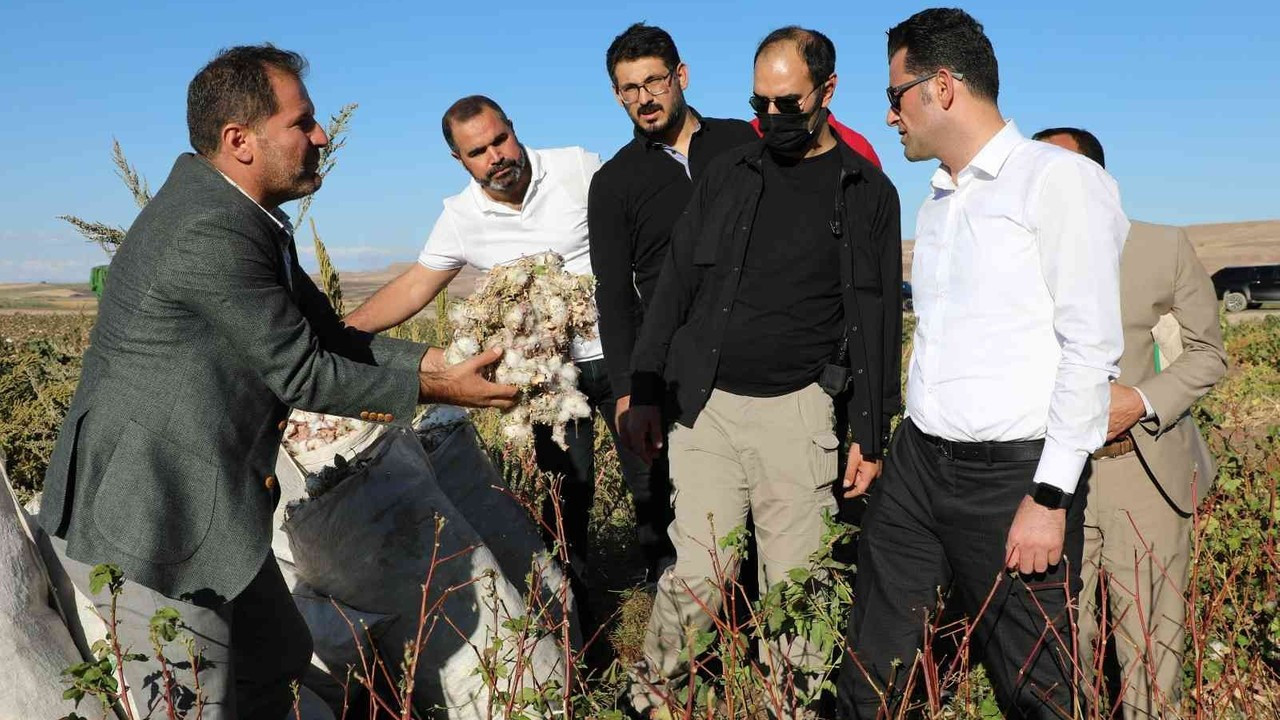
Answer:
(991, 452)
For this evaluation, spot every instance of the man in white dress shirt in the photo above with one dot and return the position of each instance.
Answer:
(1017, 301)
(519, 201)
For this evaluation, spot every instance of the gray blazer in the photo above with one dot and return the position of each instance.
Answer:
(204, 340)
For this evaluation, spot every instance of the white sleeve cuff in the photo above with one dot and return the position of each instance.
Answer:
(1150, 413)
(1060, 466)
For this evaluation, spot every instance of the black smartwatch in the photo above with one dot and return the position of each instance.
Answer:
(1051, 496)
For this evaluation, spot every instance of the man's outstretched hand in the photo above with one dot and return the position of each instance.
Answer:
(463, 384)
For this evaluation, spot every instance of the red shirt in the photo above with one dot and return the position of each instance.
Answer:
(851, 137)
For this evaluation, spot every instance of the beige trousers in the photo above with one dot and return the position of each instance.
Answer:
(774, 458)
(1136, 540)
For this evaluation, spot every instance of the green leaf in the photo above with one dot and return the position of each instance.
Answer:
(164, 624)
(104, 575)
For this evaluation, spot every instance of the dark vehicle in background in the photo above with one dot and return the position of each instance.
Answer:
(906, 297)
(1248, 286)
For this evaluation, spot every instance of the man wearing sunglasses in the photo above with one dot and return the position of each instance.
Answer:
(1016, 294)
(635, 199)
(778, 300)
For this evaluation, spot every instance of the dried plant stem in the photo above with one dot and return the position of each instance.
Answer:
(329, 280)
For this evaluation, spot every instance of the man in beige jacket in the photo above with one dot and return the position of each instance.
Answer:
(1155, 468)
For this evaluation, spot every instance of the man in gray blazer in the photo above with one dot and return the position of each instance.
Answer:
(1155, 467)
(208, 332)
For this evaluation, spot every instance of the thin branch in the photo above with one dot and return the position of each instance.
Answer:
(336, 130)
(107, 237)
(136, 183)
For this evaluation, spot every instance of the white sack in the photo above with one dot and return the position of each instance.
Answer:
(369, 542)
(35, 646)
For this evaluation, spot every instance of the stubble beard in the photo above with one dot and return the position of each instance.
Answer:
(675, 116)
(518, 168)
(287, 181)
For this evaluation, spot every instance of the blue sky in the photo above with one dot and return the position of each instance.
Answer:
(1182, 94)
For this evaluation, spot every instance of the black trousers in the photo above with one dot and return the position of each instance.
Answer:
(650, 486)
(936, 528)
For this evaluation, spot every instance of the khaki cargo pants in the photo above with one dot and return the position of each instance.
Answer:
(774, 458)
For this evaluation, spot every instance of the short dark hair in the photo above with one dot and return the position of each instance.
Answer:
(1087, 141)
(818, 50)
(641, 41)
(465, 109)
(948, 38)
(236, 87)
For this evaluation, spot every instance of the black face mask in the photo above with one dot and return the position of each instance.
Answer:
(789, 135)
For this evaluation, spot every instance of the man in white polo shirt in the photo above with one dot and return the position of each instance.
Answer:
(520, 201)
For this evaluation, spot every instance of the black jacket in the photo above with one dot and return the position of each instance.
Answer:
(635, 200)
(677, 354)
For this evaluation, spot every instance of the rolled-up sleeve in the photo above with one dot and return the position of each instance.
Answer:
(1081, 229)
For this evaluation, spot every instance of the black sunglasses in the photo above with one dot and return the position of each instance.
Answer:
(896, 92)
(789, 105)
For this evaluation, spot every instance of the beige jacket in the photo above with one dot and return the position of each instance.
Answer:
(1159, 274)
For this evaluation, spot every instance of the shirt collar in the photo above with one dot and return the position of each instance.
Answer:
(988, 162)
(486, 204)
(279, 217)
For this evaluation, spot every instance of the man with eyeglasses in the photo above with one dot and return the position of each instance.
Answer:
(635, 199)
(1016, 293)
(780, 297)
(518, 201)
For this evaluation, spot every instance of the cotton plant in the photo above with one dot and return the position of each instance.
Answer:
(532, 309)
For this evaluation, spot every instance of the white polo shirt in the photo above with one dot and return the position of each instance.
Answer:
(475, 230)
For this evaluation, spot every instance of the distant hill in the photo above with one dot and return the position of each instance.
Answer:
(1218, 245)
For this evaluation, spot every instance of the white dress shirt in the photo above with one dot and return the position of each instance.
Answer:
(1017, 296)
(476, 230)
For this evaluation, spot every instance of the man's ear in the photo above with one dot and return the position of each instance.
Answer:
(682, 74)
(946, 88)
(238, 142)
(830, 92)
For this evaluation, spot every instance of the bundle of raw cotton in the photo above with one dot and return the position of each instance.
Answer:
(532, 309)
(310, 431)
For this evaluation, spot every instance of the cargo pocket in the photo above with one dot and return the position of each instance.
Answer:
(155, 500)
(825, 459)
(817, 416)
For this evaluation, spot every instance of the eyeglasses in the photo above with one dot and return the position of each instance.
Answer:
(896, 92)
(788, 105)
(654, 86)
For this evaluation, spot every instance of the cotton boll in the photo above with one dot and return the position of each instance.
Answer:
(457, 314)
(568, 374)
(453, 355)
(576, 404)
(466, 345)
(514, 318)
